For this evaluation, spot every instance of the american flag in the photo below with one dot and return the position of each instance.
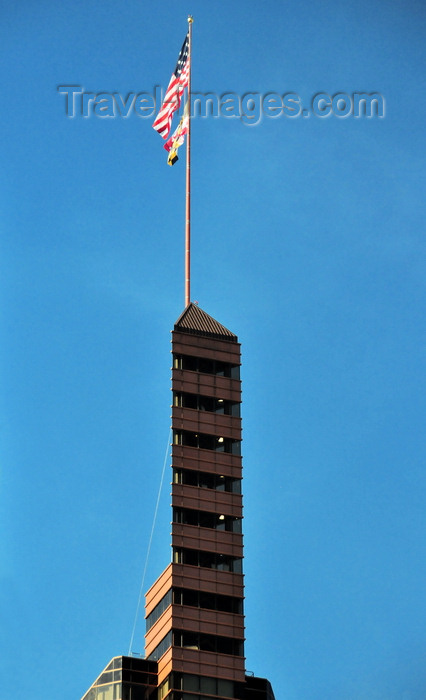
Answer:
(173, 97)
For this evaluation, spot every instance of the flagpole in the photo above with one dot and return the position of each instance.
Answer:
(188, 179)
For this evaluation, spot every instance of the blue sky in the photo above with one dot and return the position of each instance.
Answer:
(308, 242)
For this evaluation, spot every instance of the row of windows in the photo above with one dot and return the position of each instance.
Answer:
(207, 442)
(206, 481)
(206, 366)
(133, 692)
(210, 601)
(190, 696)
(210, 686)
(199, 642)
(158, 610)
(206, 403)
(208, 642)
(162, 647)
(208, 560)
(118, 691)
(106, 692)
(200, 518)
(194, 599)
(196, 684)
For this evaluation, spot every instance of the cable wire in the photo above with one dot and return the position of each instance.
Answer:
(149, 544)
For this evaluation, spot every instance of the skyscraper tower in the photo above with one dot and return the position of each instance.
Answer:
(194, 643)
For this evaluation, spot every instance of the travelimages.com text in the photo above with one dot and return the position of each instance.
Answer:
(250, 107)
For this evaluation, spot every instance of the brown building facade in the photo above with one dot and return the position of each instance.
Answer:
(194, 610)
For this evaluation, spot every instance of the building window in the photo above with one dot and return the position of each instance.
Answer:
(208, 601)
(162, 647)
(206, 481)
(206, 366)
(207, 442)
(207, 560)
(164, 688)
(208, 642)
(206, 403)
(158, 610)
(200, 518)
(210, 686)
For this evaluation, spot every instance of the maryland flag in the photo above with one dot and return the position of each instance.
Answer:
(178, 138)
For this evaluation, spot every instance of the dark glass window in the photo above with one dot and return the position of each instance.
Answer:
(159, 650)
(208, 642)
(208, 560)
(206, 481)
(206, 442)
(206, 403)
(206, 366)
(158, 610)
(105, 678)
(209, 601)
(201, 518)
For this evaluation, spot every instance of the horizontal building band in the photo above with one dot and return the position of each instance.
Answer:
(203, 347)
(201, 663)
(209, 461)
(208, 385)
(226, 504)
(215, 546)
(192, 497)
(188, 419)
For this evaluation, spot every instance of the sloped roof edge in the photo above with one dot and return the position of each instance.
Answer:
(196, 321)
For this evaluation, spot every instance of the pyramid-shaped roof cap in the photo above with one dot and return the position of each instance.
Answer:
(197, 322)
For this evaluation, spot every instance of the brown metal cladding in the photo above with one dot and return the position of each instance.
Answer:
(223, 502)
(158, 589)
(187, 345)
(201, 663)
(165, 666)
(207, 540)
(206, 422)
(208, 663)
(198, 578)
(184, 457)
(187, 381)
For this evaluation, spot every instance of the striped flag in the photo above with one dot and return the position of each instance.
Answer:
(173, 97)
